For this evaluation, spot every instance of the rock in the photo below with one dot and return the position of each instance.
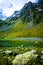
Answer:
(8, 51)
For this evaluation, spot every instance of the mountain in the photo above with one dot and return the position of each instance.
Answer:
(16, 13)
(40, 2)
(31, 11)
(26, 14)
(23, 23)
(27, 11)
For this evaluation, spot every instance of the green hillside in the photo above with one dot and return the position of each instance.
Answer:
(22, 30)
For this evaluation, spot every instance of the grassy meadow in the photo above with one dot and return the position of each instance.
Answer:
(15, 43)
(22, 30)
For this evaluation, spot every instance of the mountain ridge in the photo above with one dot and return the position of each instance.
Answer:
(27, 18)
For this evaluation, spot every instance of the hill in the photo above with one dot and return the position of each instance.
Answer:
(28, 22)
(35, 31)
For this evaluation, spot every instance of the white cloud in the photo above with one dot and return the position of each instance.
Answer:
(9, 6)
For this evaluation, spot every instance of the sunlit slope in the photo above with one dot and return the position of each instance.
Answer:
(19, 26)
(35, 31)
(14, 29)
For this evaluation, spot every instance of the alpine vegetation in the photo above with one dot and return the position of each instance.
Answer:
(24, 59)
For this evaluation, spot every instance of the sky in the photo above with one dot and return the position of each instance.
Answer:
(7, 7)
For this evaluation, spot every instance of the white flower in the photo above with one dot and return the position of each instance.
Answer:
(41, 57)
(9, 58)
(24, 58)
(35, 56)
(33, 51)
(42, 52)
(8, 51)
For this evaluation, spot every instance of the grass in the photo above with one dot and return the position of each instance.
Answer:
(9, 43)
(20, 30)
(4, 57)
